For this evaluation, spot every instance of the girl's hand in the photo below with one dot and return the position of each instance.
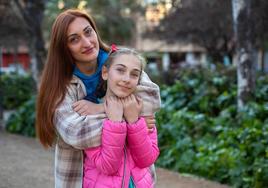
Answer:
(113, 108)
(132, 108)
(84, 107)
(150, 122)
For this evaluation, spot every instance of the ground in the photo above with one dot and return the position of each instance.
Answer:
(25, 164)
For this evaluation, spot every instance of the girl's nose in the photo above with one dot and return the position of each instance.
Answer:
(126, 78)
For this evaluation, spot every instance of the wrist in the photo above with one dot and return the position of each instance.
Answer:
(114, 119)
(101, 108)
(133, 120)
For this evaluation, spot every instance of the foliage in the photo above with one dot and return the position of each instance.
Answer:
(13, 28)
(22, 121)
(112, 17)
(201, 132)
(32, 13)
(16, 89)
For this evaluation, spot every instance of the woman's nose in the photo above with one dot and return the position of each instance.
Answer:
(85, 41)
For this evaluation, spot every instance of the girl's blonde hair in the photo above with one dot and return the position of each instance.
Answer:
(124, 51)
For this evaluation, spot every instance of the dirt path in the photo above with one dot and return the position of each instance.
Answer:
(25, 164)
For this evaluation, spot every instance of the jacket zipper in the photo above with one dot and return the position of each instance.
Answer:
(132, 181)
(124, 172)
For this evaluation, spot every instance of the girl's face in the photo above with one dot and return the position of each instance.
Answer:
(122, 76)
(82, 41)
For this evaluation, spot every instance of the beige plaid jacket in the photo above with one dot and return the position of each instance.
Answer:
(76, 132)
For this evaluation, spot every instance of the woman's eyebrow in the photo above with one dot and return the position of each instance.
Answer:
(74, 34)
(87, 27)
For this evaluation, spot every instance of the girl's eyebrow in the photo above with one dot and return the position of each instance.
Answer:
(119, 64)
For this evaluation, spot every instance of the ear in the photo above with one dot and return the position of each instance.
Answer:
(104, 73)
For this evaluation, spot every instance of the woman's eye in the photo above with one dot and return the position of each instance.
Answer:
(73, 40)
(88, 32)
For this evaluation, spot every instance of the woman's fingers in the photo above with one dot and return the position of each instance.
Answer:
(150, 121)
(139, 101)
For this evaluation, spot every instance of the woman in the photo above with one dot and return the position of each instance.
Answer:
(72, 71)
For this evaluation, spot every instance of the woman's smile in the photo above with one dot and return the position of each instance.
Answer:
(88, 51)
(82, 43)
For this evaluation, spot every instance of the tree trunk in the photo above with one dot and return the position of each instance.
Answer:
(1, 90)
(32, 12)
(243, 36)
(261, 58)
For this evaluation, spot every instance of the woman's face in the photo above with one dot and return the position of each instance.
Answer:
(82, 41)
(122, 76)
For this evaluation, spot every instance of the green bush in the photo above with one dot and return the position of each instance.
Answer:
(201, 132)
(16, 89)
(23, 120)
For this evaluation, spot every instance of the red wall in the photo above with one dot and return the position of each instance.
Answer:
(22, 58)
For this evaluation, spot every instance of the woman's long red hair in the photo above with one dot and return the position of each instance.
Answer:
(57, 74)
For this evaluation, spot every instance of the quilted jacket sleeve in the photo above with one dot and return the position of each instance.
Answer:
(142, 144)
(107, 157)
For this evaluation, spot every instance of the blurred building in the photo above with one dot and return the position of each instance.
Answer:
(162, 54)
(165, 54)
(14, 51)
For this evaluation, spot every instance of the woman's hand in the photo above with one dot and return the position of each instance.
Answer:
(84, 107)
(113, 108)
(150, 122)
(132, 108)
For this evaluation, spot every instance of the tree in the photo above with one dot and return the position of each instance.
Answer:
(210, 24)
(259, 23)
(113, 17)
(12, 33)
(243, 35)
(207, 23)
(32, 13)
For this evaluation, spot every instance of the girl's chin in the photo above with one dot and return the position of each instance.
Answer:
(122, 95)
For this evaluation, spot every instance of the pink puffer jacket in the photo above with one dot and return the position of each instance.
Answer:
(112, 164)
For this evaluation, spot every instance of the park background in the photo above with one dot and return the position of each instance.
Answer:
(209, 57)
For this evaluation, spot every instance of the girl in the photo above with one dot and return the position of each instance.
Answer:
(128, 149)
(71, 73)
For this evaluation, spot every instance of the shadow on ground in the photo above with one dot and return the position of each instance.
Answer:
(25, 164)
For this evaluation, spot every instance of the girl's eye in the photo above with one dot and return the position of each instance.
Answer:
(135, 75)
(120, 70)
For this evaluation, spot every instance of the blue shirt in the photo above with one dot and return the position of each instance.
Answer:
(91, 82)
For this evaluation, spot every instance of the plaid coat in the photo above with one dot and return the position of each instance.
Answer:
(76, 132)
